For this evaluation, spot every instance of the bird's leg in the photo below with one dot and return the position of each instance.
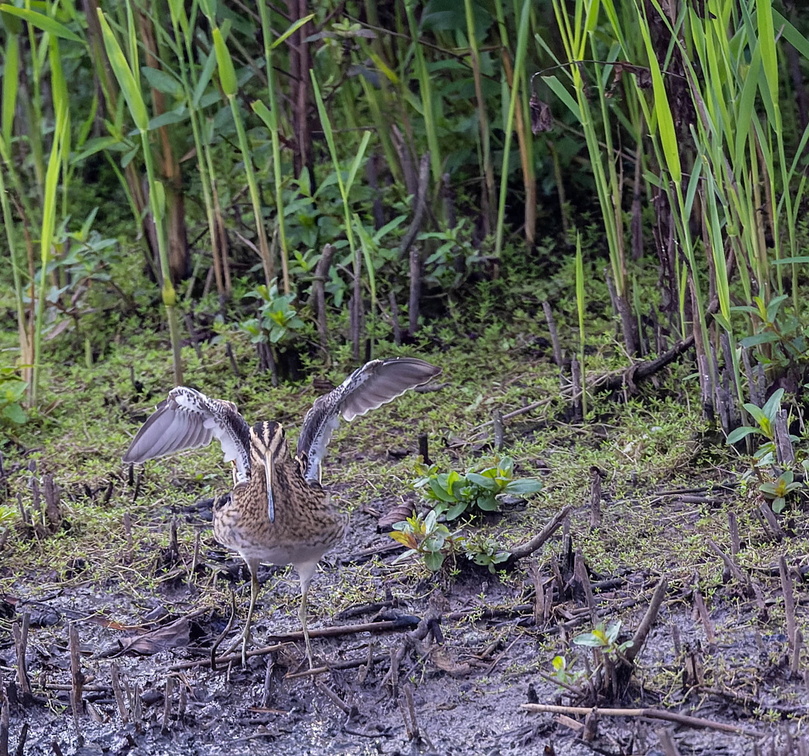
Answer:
(245, 636)
(253, 597)
(305, 572)
(302, 615)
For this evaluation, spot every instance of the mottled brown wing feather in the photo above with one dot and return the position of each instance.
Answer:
(374, 384)
(188, 419)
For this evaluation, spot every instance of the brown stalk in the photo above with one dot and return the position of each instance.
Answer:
(732, 567)
(524, 550)
(319, 297)
(647, 622)
(20, 632)
(595, 497)
(668, 716)
(789, 610)
(702, 610)
(553, 333)
(487, 196)
(415, 291)
(300, 84)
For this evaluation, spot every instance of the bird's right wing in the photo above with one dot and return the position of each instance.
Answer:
(188, 419)
(374, 384)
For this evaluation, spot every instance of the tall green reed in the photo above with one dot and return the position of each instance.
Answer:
(123, 69)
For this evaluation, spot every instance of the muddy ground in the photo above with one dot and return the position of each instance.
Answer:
(467, 676)
(462, 651)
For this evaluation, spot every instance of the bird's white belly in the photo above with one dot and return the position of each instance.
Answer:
(281, 555)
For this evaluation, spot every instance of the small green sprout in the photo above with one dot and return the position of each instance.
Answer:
(485, 551)
(562, 674)
(777, 491)
(604, 639)
(12, 390)
(764, 418)
(424, 535)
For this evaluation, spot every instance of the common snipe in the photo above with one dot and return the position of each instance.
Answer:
(277, 512)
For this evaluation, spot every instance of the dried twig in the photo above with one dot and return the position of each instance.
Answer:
(167, 704)
(405, 622)
(518, 552)
(595, 497)
(789, 610)
(649, 713)
(733, 529)
(702, 610)
(580, 572)
(648, 620)
(20, 632)
(115, 676)
(76, 679)
(553, 333)
(733, 568)
(499, 430)
(4, 722)
(785, 453)
(770, 521)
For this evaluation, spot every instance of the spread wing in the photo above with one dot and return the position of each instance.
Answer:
(374, 384)
(188, 419)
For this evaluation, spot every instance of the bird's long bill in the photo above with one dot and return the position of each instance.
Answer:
(268, 478)
(267, 445)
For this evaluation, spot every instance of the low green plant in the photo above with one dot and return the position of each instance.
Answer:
(424, 535)
(278, 320)
(485, 551)
(764, 418)
(605, 639)
(562, 673)
(12, 391)
(777, 491)
(779, 337)
(453, 260)
(477, 492)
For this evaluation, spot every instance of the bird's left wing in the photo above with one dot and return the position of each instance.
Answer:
(187, 419)
(374, 384)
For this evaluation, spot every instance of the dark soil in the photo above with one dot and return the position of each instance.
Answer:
(468, 649)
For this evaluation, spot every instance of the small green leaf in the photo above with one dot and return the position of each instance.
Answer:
(456, 510)
(405, 539)
(227, 73)
(162, 81)
(439, 490)
(739, 433)
(487, 503)
(523, 486)
(14, 413)
(773, 405)
(483, 481)
(434, 560)
(768, 337)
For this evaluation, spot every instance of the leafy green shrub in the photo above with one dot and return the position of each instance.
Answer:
(777, 491)
(477, 492)
(779, 337)
(783, 484)
(764, 418)
(12, 390)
